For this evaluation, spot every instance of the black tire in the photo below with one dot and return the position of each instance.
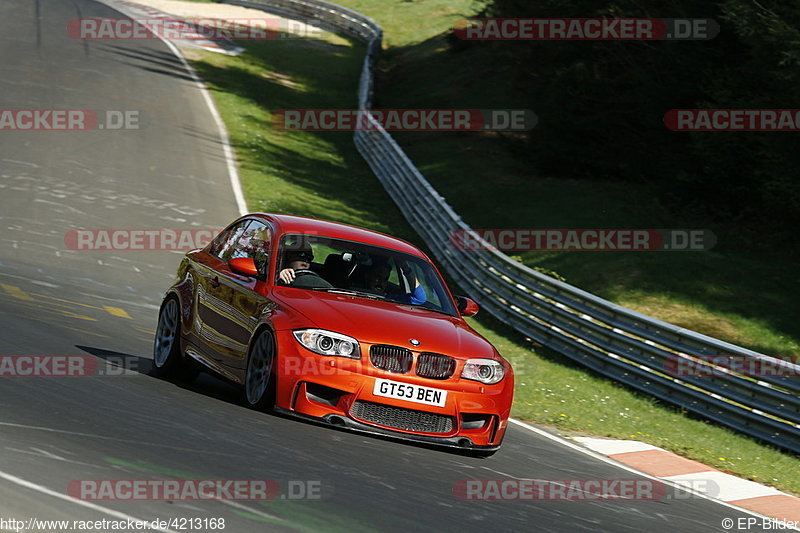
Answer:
(167, 357)
(259, 380)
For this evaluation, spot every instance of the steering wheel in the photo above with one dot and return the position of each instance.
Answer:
(304, 271)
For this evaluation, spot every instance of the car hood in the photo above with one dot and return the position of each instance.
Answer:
(381, 322)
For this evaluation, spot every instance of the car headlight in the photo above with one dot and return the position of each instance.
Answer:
(486, 371)
(326, 342)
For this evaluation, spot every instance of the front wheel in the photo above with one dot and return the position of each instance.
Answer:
(259, 383)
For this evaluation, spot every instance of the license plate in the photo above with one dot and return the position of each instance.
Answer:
(409, 393)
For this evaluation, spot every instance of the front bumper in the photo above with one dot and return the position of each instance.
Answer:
(301, 374)
(459, 443)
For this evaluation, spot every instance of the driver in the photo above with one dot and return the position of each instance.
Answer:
(298, 271)
(295, 260)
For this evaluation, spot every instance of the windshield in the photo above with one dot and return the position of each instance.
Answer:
(320, 263)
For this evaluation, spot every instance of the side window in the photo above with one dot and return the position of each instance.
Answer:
(218, 244)
(234, 234)
(394, 278)
(226, 237)
(254, 243)
(322, 251)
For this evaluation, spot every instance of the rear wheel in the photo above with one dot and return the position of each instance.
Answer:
(167, 358)
(259, 383)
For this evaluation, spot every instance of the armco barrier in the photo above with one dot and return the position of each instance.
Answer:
(619, 343)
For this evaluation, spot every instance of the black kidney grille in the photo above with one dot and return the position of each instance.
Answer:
(391, 358)
(400, 418)
(435, 366)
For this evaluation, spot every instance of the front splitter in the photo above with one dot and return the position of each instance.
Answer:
(463, 444)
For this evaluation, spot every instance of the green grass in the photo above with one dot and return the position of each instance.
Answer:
(292, 171)
(322, 175)
(411, 21)
(730, 292)
(554, 391)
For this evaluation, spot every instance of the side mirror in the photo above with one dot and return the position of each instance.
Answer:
(244, 266)
(466, 306)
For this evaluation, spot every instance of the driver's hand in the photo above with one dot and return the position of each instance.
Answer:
(287, 275)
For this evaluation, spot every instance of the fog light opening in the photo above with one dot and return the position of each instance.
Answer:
(473, 421)
(322, 394)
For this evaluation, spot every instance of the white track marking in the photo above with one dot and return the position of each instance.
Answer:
(250, 510)
(603, 458)
(233, 173)
(44, 490)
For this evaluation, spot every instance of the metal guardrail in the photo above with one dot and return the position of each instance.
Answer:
(629, 347)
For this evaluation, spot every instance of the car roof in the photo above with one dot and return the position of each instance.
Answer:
(294, 224)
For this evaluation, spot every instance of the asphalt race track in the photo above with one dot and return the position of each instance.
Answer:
(172, 173)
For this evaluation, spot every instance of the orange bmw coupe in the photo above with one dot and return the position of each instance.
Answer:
(338, 324)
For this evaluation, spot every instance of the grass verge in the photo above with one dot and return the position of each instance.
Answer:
(322, 175)
(730, 292)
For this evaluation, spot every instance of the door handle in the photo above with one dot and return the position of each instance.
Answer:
(215, 282)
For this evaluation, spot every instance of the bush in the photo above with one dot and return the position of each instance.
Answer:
(600, 104)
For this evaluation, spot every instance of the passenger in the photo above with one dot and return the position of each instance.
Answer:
(377, 281)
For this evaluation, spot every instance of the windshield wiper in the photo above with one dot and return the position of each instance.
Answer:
(433, 309)
(350, 292)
